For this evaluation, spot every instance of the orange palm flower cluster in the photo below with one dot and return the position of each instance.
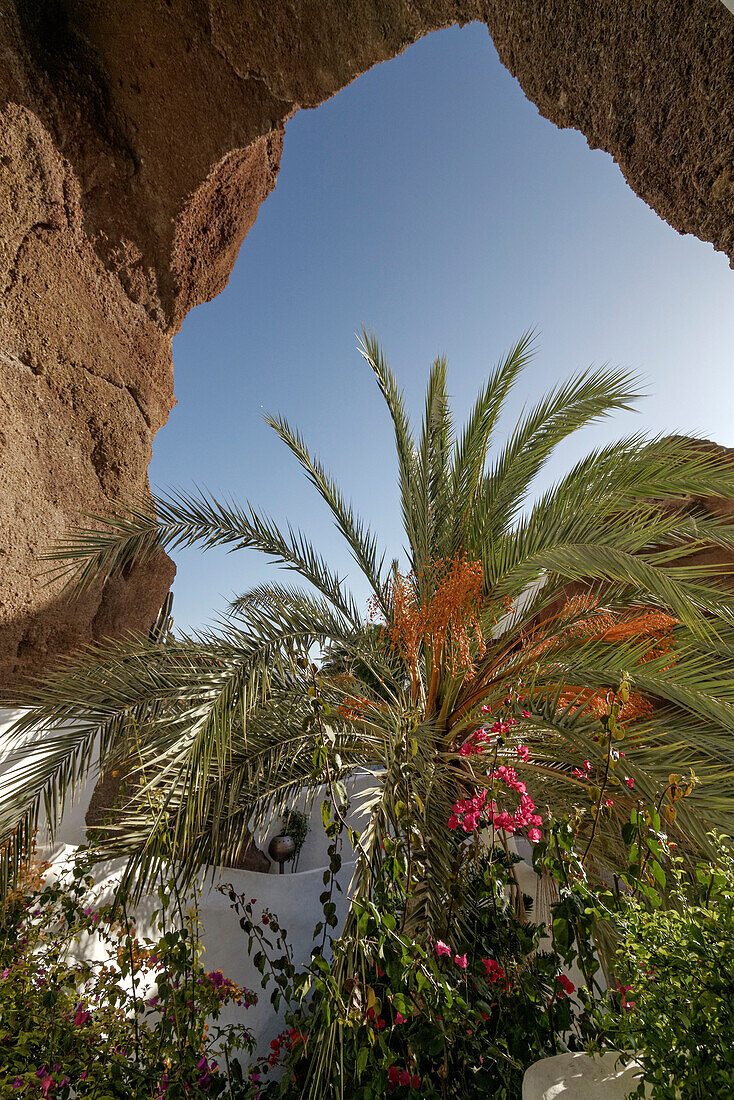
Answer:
(353, 707)
(446, 619)
(649, 623)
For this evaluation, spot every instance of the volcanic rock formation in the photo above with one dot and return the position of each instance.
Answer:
(137, 141)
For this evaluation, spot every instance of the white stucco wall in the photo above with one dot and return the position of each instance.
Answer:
(580, 1077)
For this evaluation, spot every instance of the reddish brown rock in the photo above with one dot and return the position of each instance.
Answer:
(137, 142)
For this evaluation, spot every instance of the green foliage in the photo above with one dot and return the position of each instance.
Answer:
(218, 725)
(473, 643)
(143, 1024)
(675, 974)
(455, 1020)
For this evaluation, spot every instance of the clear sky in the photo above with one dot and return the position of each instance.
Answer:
(431, 202)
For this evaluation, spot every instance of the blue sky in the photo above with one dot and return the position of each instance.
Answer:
(431, 202)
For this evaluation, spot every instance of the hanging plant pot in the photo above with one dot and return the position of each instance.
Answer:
(281, 849)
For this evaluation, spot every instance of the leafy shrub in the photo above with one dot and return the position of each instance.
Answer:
(142, 1025)
(675, 983)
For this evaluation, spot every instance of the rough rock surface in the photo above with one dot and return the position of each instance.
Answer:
(137, 142)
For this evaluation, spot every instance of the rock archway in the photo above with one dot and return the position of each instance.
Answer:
(137, 142)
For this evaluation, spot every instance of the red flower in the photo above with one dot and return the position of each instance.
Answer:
(630, 782)
(82, 1017)
(567, 984)
(493, 972)
(404, 1077)
(415, 1081)
(393, 1075)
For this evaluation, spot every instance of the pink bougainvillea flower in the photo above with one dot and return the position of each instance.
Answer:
(399, 1018)
(526, 714)
(442, 948)
(588, 765)
(82, 1017)
(523, 752)
(534, 835)
(567, 984)
(609, 802)
(629, 781)
(578, 773)
(460, 961)
(493, 972)
(486, 710)
(624, 990)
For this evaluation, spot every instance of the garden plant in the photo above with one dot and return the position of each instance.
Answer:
(522, 668)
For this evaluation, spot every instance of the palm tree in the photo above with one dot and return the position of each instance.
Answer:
(599, 578)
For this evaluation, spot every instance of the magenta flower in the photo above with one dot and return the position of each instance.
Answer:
(523, 752)
(442, 948)
(534, 835)
(460, 961)
(493, 972)
(630, 782)
(567, 984)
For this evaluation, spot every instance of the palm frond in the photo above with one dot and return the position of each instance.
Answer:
(471, 450)
(585, 398)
